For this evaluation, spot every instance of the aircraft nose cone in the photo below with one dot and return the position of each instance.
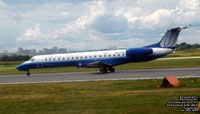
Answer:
(19, 67)
(22, 67)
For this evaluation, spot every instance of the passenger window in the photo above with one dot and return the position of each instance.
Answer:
(113, 55)
(90, 56)
(63, 58)
(100, 56)
(81, 57)
(67, 58)
(109, 55)
(104, 55)
(76, 57)
(72, 57)
(32, 60)
(118, 54)
(95, 56)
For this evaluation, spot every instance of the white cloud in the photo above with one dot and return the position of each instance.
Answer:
(160, 17)
(36, 35)
(2, 4)
(189, 4)
(51, 13)
(31, 34)
(94, 9)
(110, 24)
(182, 13)
(76, 29)
(95, 24)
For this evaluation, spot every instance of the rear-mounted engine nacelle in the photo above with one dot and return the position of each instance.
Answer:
(138, 52)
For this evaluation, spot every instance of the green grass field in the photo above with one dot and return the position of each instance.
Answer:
(116, 97)
(97, 97)
(185, 53)
(11, 69)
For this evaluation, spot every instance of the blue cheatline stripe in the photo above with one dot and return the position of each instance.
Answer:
(67, 63)
(83, 60)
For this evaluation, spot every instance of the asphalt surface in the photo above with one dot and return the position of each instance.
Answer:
(92, 76)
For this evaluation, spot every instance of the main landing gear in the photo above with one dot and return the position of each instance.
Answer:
(28, 73)
(104, 69)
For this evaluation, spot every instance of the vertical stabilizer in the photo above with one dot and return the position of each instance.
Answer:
(169, 39)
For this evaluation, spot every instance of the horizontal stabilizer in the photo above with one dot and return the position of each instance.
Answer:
(185, 27)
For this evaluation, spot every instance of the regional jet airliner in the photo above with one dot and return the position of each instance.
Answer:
(105, 60)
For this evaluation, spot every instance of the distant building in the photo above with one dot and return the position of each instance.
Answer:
(20, 50)
(54, 50)
(40, 52)
(33, 51)
(26, 52)
(45, 51)
(62, 50)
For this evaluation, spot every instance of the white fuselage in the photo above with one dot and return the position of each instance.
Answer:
(80, 56)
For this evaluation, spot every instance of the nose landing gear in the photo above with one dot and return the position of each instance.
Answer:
(28, 73)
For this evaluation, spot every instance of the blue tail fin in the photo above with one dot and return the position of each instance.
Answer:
(169, 39)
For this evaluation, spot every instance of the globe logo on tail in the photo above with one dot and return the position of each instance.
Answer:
(170, 38)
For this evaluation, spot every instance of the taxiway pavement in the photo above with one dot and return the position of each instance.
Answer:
(94, 76)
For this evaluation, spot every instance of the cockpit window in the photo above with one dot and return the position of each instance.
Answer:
(32, 59)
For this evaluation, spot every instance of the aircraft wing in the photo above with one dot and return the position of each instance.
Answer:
(97, 64)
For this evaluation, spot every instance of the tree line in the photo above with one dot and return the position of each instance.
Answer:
(14, 57)
(185, 46)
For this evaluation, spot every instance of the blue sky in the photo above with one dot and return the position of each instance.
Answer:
(94, 24)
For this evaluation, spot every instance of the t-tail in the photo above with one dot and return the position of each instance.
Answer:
(169, 39)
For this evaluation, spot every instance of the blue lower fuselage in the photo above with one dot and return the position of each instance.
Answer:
(84, 63)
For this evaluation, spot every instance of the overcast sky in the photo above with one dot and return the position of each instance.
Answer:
(94, 24)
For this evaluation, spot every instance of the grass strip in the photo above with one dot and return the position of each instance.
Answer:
(118, 97)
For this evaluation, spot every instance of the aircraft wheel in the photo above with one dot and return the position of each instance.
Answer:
(104, 70)
(112, 69)
(28, 73)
